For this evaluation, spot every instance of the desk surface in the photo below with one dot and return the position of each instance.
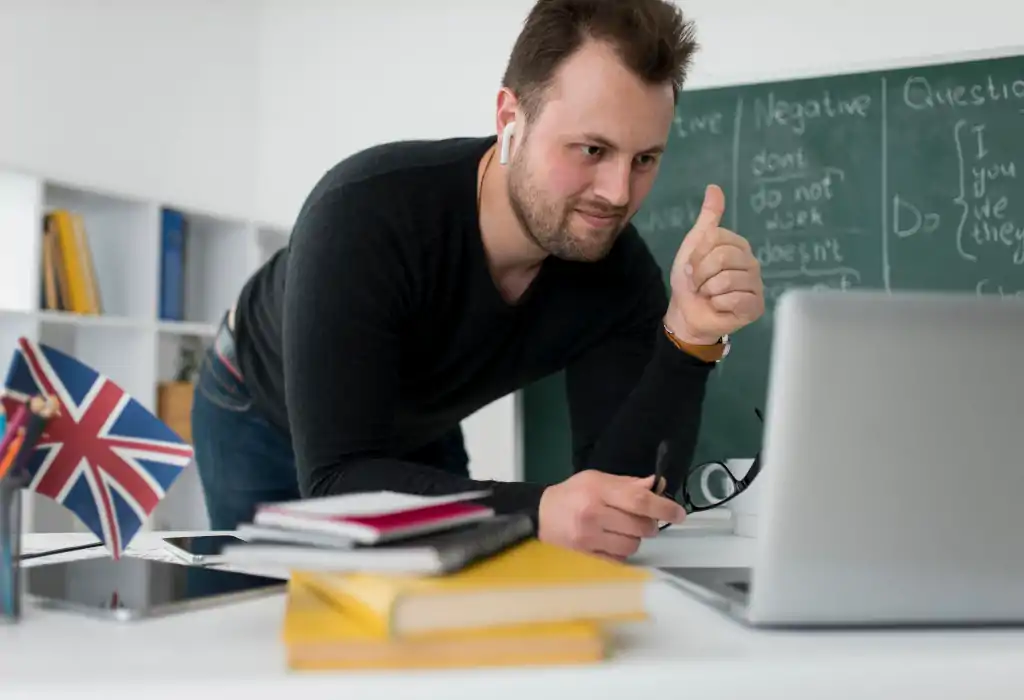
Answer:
(686, 650)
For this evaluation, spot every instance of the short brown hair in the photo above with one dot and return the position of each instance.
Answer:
(652, 38)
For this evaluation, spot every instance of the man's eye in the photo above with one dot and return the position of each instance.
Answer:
(592, 151)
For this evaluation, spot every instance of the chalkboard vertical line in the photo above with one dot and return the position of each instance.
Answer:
(735, 195)
(886, 273)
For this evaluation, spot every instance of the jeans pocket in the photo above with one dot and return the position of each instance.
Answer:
(219, 386)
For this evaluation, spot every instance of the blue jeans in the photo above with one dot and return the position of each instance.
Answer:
(244, 460)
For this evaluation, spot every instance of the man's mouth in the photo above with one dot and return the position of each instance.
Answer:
(598, 219)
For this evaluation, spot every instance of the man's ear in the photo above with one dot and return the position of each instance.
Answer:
(507, 117)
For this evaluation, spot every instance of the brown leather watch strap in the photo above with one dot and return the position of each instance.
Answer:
(707, 353)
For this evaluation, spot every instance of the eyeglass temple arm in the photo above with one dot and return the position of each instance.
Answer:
(755, 467)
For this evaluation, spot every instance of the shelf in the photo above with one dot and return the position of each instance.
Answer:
(128, 340)
(67, 318)
(124, 252)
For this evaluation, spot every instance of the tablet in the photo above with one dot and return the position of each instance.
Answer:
(133, 588)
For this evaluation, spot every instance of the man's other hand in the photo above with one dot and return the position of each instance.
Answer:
(604, 514)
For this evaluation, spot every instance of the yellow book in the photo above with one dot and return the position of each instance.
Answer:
(76, 261)
(528, 583)
(92, 287)
(319, 635)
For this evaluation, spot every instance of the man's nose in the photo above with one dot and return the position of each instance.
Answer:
(614, 182)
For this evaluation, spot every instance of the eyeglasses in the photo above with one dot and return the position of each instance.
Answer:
(711, 484)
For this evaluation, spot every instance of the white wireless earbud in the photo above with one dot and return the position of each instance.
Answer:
(506, 141)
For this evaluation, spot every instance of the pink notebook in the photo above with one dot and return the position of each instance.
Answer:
(379, 516)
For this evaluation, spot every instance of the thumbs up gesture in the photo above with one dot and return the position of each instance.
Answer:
(715, 278)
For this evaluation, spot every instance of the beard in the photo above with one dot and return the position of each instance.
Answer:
(549, 224)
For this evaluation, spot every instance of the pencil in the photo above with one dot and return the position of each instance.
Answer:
(20, 416)
(8, 458)
(40, 411)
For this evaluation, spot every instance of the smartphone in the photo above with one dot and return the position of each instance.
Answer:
(200, 549)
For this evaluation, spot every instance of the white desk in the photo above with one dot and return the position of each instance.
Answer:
(686, 651)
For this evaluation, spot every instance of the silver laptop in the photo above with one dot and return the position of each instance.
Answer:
(892, 486)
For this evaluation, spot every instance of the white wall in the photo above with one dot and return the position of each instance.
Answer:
(155, 98)
(338, 76)
(332, 80)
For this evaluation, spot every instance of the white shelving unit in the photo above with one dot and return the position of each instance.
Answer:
(129, 342)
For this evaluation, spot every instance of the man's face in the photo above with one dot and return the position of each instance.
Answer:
(585, 163)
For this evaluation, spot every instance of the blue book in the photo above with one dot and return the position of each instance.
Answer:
(172, 265)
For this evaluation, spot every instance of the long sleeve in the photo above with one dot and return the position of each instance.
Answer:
(346, 308)
(633, 391)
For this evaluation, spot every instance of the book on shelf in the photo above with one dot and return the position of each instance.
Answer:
(68, 273)
(173, 228)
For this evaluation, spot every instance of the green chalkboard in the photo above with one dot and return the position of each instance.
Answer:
(899, 179)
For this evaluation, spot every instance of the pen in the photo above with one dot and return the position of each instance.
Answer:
(659, 466)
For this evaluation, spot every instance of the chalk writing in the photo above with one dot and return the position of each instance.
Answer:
(985, 223)
(908, 219)
(804, 254)
(767, 163)
(795, 115)
(919, 93)
(674, 218)
(691, 125)
(793, 200)
(986, 286)
(841, 279)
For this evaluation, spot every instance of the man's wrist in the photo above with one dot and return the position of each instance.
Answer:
(676, 327)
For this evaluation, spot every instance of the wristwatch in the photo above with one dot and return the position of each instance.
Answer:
(707, 353)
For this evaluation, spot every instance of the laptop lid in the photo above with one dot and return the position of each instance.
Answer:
(893, 461)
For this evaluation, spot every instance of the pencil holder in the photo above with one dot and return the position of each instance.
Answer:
(10, 550)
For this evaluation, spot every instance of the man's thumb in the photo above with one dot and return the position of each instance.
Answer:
(647, 482)
(711, 211)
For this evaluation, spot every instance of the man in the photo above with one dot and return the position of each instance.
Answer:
(424, 280)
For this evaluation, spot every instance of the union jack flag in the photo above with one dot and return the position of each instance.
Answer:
(103, 456)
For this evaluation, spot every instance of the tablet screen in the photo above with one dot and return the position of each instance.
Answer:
(132, 587)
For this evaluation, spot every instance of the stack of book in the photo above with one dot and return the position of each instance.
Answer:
(379, 531)
(531, 604)
(388, 580)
